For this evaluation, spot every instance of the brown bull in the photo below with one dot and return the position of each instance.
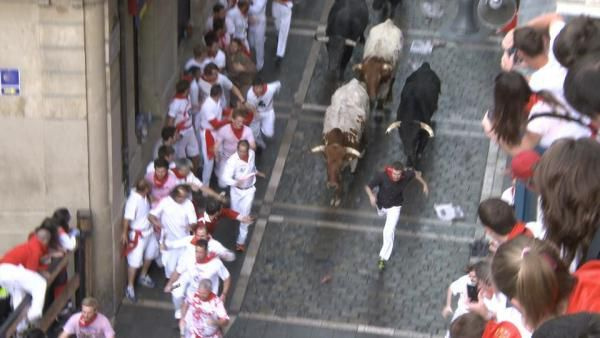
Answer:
(339, 152)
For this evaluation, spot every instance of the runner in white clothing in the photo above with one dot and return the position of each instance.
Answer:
(240, 174)
(211, 76)
(257, 29)
(179, 116)
(184, 174)
(184, 280)
(228, 138)
(138, 237)
(239, 20)
(261, 97)
(282, 13)
(175, 215)
(207, 122)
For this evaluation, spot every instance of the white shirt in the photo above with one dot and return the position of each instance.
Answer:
(188, 258)
(210, 110)
(222, 80)
(552, 75)
(190, 179)
(552, 128)
(180, 109)
(137, 208)
(195, 272)
(236, 169)
(174, 217)
(219, 59)
(258, 9)
(193, 62)
(239, 29)
(264, 103)
(459, 287)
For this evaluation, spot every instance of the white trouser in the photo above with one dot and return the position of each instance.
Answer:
(179, 293)
(256, 37)
(187, 145)
(19, 281)
(208, 164)
(389, 230)
(170, 258)
(241, 202)
(267, 122)
(146, 249)
(283, 19)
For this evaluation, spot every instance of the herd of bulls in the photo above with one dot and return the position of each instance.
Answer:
(352, 103)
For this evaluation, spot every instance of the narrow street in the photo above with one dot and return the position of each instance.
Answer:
(310, 270)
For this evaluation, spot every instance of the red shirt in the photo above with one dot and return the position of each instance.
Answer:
(585, 296)
(212, 225)
(27, 254)
(519, 229)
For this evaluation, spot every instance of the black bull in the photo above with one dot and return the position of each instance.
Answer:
(418, 103)
(346, 23)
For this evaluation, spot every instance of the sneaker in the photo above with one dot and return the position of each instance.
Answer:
(240, 247)
(130, 294)
(146, 281)
(381, 264)
(177, 314)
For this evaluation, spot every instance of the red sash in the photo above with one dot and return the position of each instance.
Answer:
(132, 243)
(210, 144)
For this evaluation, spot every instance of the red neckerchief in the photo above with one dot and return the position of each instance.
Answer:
(83, 323)
(159, 183)
(389, 173)
(533, 99)
(181, 96)
(237, 132)
(264, 90)
(517, 230)
(178, 174)
(209, 257)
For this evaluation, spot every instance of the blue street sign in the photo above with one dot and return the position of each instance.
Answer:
(10, 82)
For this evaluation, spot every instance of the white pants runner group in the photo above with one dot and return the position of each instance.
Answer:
(283, 19)
(392, 215)
(19, 282)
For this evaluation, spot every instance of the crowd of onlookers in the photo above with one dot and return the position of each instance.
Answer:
(542, 276)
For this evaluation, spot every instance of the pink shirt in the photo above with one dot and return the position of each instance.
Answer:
(159, 193)
(99, 328)
(228, 140)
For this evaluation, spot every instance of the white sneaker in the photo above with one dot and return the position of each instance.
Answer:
(146, 281)
(177, 314)
(130, 294)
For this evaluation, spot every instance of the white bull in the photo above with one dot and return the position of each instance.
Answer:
(380, 60)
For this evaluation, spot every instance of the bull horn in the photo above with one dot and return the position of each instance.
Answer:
(357, 67)
(427, 128)
(350, 43)
(387, 67)
(352, 151)
(318, 149)
(393, 126)
(321, 38)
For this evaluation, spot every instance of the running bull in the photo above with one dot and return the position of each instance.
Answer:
(418, 103)
(346, 23)
(380, 60)
(344, 133)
